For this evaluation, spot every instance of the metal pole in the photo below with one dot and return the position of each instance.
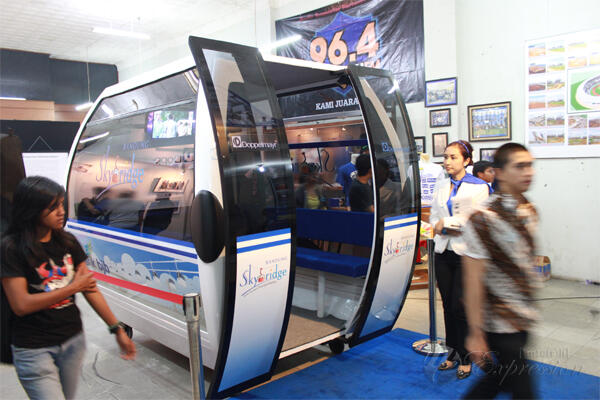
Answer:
(431, 276)
(431, 346)
(191, 309)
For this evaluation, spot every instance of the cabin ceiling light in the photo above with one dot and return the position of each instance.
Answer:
(120, 32)
(83, 106)
(12, 98)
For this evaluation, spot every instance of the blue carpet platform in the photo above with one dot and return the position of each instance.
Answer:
(388, 368)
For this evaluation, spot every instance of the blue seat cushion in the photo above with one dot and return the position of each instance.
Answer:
(332, 262)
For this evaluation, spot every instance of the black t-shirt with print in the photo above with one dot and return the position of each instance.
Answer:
(59, 322)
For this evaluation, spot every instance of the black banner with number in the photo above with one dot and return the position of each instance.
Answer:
(384, 34)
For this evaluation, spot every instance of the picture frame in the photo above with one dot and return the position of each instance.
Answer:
(487, 154)
(441, 92)
(420, 144)
(440, 141)
(439, 118)
(490, 121)
(170, 186)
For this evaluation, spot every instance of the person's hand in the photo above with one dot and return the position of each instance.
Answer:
(438, 227)
(83, 280)
(477, 347)
(126, 345)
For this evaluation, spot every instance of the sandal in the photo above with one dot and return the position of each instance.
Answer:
(447, 365)
(462, 374)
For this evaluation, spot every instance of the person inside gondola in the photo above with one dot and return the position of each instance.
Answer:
(361, 191)
(309, 193)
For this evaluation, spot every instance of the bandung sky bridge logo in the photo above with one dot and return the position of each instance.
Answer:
(254, 278)
(397, 248)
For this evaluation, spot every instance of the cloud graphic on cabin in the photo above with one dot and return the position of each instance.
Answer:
(154, 275)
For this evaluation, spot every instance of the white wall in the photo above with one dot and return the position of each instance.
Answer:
(480, 42)
(440, 62)
(490, 39)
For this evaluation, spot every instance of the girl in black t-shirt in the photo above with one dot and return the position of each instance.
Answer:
(41, 269)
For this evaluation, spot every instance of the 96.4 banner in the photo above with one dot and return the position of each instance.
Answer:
(354, 43)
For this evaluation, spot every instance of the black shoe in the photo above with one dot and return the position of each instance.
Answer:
(448, 365)
(460, 374)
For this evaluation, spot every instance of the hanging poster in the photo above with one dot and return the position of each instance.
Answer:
(563, 95)
(374, 33)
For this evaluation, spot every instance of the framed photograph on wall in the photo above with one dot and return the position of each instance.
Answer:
(420, 142)
(439, 118)
(440, 92)
(170, 186)
(440, 141)
(489, 122)
(487, 154)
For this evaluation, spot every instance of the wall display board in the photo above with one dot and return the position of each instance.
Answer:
(374, 33)
(50, 165)
(563, 95)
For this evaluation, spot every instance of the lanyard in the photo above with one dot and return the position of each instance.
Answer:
(453, 193)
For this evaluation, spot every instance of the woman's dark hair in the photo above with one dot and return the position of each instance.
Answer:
(465, 149)
(32, 196)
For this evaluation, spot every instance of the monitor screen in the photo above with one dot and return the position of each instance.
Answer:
(170, 124)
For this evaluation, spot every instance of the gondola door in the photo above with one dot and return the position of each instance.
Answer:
(257, 216)
(397, 201)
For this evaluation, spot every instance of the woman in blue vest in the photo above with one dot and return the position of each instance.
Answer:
(453, 199)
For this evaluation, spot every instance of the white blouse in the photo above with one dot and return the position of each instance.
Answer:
(439, 209)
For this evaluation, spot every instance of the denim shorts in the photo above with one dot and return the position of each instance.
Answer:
(51, 372)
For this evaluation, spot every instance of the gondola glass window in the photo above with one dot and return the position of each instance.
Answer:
(134, 164)
(252, 144)
(394, 177)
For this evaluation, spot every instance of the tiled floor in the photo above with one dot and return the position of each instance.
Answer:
(568, 336)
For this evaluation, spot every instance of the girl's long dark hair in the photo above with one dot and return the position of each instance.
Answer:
(32, 196)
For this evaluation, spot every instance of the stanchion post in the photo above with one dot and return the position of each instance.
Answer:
(431, 346)
(431, 276)
(191, 309)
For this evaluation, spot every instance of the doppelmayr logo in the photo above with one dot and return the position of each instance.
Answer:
(242, 143)
(255, 278)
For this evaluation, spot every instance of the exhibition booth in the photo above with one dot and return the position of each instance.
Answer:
(217, 175)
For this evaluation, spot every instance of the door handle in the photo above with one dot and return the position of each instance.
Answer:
(207, 225)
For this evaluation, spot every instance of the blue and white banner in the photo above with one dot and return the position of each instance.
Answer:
(374, 33)
(399, 236)
(263, 274)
